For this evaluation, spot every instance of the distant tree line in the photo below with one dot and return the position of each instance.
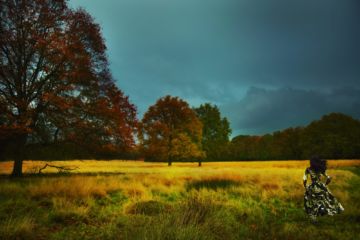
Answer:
(334, 136)
(173, 131)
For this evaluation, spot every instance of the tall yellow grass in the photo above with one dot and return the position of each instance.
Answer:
(106, 192)
(151, 181)
(127, 166)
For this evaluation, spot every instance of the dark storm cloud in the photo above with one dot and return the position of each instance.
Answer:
(263, 111)
(215, 51)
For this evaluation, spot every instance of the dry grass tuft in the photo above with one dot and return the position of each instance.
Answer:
(72, 188)
(195, 210)
(213, 183)
(149, 208)
(269, 186)
(17, 228)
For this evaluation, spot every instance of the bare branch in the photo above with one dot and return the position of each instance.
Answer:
(59, 168)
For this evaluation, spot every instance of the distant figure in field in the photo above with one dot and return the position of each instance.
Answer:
(318, 200)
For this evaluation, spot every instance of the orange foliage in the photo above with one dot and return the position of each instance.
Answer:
(63, 83)
(170, 130)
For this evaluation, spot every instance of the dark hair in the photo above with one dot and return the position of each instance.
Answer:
(318, 164)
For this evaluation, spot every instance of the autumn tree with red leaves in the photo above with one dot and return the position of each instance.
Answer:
(55, 80)
(170, 131)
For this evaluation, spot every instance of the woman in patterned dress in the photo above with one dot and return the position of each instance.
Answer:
(318, 200)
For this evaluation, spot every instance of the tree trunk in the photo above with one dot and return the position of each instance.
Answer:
(19, 144)
(199, 163)
(169, 150)
(17, 170)
(56, 135)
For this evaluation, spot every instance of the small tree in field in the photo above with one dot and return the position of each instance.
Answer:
(55, 81)
(170, 131)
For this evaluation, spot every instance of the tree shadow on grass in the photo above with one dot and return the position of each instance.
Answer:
(213, 184)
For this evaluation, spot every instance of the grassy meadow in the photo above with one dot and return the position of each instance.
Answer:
(139, 200)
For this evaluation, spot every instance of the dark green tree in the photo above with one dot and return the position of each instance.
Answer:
(333, 136)
(216, 131)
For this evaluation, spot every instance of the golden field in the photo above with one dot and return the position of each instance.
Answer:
(140, 200)
(128, 166)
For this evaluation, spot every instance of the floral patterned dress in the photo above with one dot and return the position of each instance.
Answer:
(318, 200)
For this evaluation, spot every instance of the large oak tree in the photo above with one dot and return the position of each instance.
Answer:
(54, 80)
(170, 131)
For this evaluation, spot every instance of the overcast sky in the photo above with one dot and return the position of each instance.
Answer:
(268, 64)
